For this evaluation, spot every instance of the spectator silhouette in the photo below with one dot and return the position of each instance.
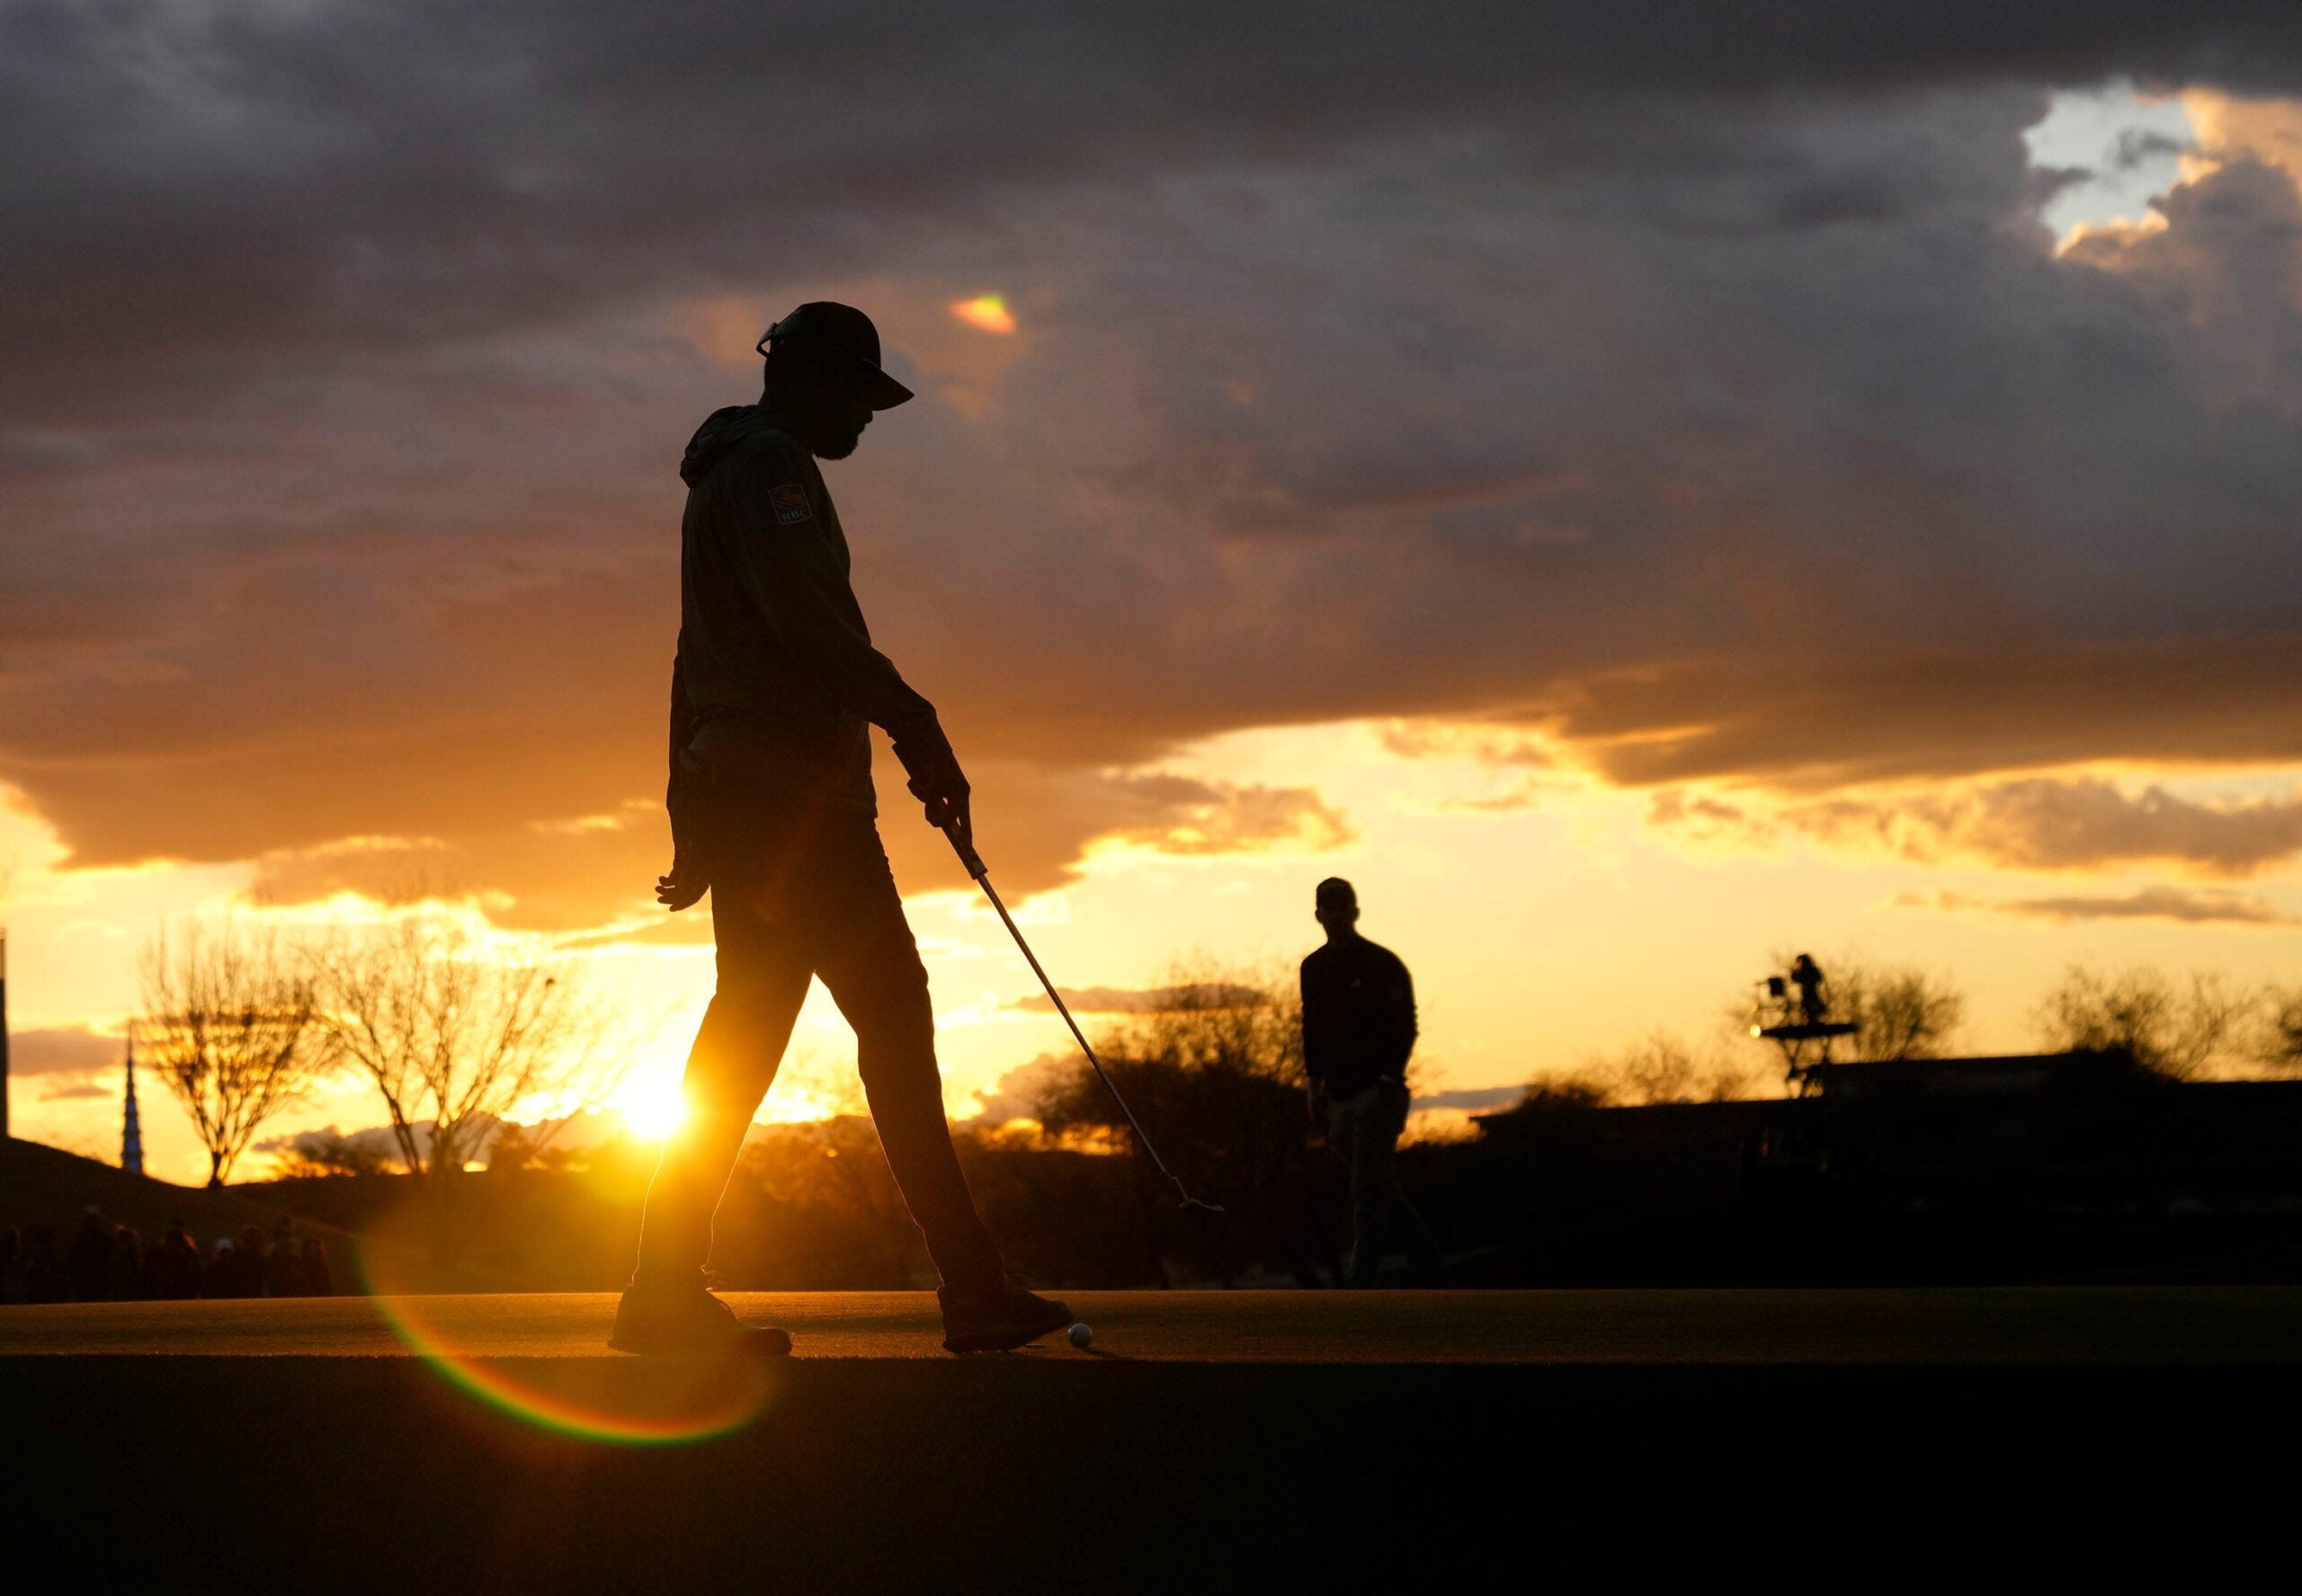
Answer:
(90, 1258)
(46, 1279)
(1359, 1031)
(247, 1263)
(172, 1265)
(317, 1281)
(282, 1263)
(124, 1272)
(224, 1273)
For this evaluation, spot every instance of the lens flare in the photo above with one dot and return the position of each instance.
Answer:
(542, 1357)
(985, 312)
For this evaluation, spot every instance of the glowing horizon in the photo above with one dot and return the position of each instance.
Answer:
(1508, 993)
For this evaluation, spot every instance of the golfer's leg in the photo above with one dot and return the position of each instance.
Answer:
(1422, 1247)
(1339, 1143)
(762, 982)
(1362, 1138)
(875, 976)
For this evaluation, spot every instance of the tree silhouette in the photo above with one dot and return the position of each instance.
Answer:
(1216, 1075)
(454, 1041)
(227, 1026)
(2278, 1041)
(2173, 1029)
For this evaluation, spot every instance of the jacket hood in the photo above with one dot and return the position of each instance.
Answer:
(721, 430)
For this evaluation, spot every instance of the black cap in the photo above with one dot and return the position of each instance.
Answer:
(821, 327)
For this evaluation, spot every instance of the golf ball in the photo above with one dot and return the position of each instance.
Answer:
(1081, 1335)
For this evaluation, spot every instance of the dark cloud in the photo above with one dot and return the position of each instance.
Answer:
(2139, 147)
(559, 875)
(2174, 904)
(1491, 745)
(2064, 824)
(2156, 903)
(1889, 713)
(62, 1050)
(567, 874)
(1227, 817)
(1703, 394)
(1033, 820)
(1702, 818)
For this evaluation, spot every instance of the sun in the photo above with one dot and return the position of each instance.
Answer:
(653, 1109)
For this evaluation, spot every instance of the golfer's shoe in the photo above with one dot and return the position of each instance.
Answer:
(690, 1321)
(998, 1319)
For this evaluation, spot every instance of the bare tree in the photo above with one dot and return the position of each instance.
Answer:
(1659, 1068)
(2278, 1034)
(228, 1026)
(1900, 1011)
(1568, 1092)
(2173, 1029)
(454, 1042)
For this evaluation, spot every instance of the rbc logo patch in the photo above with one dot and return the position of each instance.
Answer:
(789, 503)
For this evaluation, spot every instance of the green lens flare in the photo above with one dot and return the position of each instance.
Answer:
(487, 1348)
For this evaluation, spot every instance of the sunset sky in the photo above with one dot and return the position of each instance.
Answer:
(1631, 500)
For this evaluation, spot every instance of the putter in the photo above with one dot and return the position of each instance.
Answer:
(982, 874)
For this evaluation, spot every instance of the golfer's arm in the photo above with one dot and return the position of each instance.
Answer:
(683, 730)
(1315, 1033)
(792, 581)
(1403, 1019)
(680, 787)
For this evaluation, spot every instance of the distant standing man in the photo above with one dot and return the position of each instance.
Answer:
(775, 691)
(1359, 1031)
(1807, 975)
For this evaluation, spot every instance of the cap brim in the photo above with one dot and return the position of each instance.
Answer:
(886, 392)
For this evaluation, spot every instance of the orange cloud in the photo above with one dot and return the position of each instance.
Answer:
(987, 313)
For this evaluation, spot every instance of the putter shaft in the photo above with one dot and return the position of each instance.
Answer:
(976, 868)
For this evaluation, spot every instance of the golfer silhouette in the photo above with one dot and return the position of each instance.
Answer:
(773, 695)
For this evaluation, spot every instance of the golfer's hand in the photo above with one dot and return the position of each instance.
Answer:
(949, 812)
(933, 777)
(944, 794)
(685, 888)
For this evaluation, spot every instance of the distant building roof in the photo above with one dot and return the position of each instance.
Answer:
(2003, 1075)
(2007, 1075)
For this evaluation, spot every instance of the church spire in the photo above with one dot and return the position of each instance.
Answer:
(131, 1128)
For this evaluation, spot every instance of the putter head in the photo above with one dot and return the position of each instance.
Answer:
(1186, 1201)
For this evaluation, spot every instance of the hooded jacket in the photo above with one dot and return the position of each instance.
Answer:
(777, 683)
